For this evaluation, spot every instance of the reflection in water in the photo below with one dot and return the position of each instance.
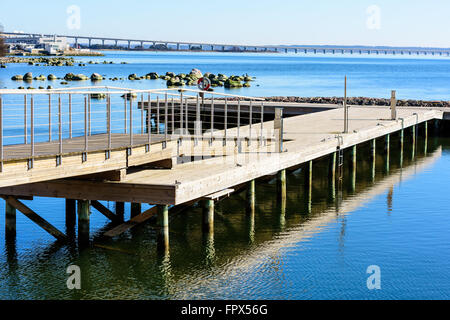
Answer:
(308, 243)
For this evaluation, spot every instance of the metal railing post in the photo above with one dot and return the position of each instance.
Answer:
(225, 122)
(49, 117)
(109, 122)
(262, 124)
(239, 125)
(89, 114)
(186, 115)
(142, 113)
(157, 114)
(345, 107)
(70, 116)
(125, 111)
(181, 112)
(131, 119)
(32, 127)
(173, 115)
(60, 126)
(25, 129)
(197, 130)
(212, 118)
(85, 123)
(149, 120)
(250, 123)
(166, 111)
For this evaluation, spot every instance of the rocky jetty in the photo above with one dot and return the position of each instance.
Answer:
(362, 101)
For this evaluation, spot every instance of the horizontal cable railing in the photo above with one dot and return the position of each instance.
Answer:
(61, 121)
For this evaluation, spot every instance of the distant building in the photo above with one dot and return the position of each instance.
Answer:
(52, 45)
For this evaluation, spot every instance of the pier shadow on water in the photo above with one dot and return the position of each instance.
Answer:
(300, 247)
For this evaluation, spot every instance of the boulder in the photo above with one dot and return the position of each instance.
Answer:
(170, 74)
(28, 76)
(233, 84)
(3, 66)
(246, 85)
(52, 77)
(41, 78)
(175, 82)
(128, 95)
(17, 77)
(133, 76)
(49, 87)
(96, 77)
(80, 77)
(152, 76)
(98, 96)
(69, 76)
(196, 73)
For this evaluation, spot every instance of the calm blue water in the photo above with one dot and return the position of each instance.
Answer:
(277, 74)
(399, 222)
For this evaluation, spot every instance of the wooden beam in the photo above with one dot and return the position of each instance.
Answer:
(93, 190)
(33, 216)
(114, 175)
(144, 216)
(105, 211)
(132, 222)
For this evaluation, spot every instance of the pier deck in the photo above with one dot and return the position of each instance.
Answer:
(306, 137)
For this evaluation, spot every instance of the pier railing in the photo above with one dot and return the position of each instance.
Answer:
(37, 123)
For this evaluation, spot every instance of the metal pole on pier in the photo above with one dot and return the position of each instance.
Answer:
(25, 131)
(345, 107)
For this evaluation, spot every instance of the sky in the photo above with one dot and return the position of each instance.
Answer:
(257, 22)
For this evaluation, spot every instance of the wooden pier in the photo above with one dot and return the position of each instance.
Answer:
(173, 169)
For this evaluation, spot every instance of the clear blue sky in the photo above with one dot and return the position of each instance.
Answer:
(344, 22)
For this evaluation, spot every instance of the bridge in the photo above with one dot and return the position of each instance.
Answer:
(205, 46)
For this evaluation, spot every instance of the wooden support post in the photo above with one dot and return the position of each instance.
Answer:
(71, 213)
(83, 222)
(402, 139)
(308, 184)
(281, 185)
(208, 216)
(135, 209)
(120, 210)
(10, 221)
(332, 176)
(33, 216)
(387, 151)
(413, 149)
(373, 157)
(251, 197)
(425, 147)
(163, 224)
(353, 169)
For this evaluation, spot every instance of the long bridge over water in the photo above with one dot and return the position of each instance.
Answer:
(183, 45)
